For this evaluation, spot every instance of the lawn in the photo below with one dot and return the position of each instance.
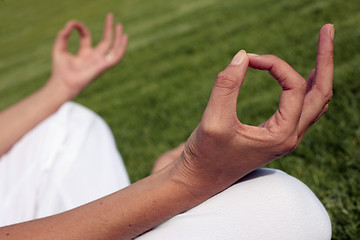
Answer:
(156, 96)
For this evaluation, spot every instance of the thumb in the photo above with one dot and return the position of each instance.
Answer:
(222, 103)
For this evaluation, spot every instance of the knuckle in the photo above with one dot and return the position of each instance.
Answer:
(325, 95)
(273, 57)
(326, 56)
(285, 144)
(226, 80)
(329, 95)
(212, 131)
(291, 143)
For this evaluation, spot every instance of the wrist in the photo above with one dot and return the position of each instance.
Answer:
(59, 91)
(152, 201)
(196, 182)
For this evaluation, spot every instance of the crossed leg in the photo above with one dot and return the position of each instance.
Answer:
(266, 204)
(71, 159)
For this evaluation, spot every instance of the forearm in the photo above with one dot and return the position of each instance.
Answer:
(122, 215)
(20, 118)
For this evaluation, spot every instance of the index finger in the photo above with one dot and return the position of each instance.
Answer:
(62, 38)
(293, 85)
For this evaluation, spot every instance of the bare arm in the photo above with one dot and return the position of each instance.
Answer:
(71, 74)
(122, 215)
(220, 151)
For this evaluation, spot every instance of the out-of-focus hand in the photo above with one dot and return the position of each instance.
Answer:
(73, 73)
(222, 149)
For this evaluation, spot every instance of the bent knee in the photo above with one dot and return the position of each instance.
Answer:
(289, 207)
(266, 204)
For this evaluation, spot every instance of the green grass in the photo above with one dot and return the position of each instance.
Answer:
(155, 97)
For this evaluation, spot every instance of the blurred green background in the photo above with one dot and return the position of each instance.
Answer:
(156, 96)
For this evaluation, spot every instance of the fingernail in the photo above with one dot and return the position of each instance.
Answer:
(253, 54)
(332, 32)
(239, 58)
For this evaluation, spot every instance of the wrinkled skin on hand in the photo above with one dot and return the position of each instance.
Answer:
(222, 149)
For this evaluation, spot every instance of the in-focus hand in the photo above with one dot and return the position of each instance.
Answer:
(222, 149)
(74, 72)
(168, 157)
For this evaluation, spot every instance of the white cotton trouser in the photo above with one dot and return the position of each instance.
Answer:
(71, 159)
(67, 160)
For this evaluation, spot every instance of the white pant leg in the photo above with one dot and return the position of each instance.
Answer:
(266, 204)
(66, 161)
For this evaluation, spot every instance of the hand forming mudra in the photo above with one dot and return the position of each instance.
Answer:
(75, 72)
(222, 149)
